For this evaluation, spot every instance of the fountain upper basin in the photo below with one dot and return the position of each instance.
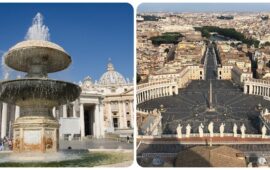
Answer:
(26, 53)
(37, 91)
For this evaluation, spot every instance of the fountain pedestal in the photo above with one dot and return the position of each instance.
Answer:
(35, 133)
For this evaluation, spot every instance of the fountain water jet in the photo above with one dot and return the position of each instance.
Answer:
(36, 130)
(38, 31)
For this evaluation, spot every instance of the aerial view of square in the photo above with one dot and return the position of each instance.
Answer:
(203, 85)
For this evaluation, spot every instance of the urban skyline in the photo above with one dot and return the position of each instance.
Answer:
(203, 7)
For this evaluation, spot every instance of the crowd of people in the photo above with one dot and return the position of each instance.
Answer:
(5, 144)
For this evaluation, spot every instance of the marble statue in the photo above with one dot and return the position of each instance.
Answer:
(201, 130)
(264, 131)
(211, 129)
(188, 129)
(243, 129)
(221, 129)
(234, 130)
(179, 131)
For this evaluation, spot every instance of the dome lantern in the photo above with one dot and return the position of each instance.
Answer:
(111, 77)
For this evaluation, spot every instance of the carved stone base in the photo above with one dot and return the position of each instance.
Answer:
(35, 134)
(211, 109)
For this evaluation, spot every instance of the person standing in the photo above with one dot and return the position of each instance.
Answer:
(10, 144)
(1, 144)
(5, 143)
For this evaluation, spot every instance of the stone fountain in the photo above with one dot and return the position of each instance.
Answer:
(36, 130)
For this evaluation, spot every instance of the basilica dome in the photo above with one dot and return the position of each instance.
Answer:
(111, 77)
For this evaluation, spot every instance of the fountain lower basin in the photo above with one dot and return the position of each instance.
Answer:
(38, 91)
(36, 130)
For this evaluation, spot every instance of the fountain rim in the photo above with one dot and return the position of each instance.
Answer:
(24, 45)
(35, 78)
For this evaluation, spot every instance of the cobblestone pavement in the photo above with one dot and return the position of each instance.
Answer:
(122, 164)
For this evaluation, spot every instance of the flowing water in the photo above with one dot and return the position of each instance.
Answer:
(38, 31)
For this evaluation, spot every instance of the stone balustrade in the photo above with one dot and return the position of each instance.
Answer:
(205, 135)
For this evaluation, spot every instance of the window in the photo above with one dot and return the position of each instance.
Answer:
(115, 122)
(127, 113)
(128, 124)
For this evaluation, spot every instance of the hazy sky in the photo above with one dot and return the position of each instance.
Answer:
(91, 33)
(203, 7)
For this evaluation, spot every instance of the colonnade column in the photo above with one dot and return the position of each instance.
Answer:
(176, 88)
(124, 115)
(97, 122)
(110, 117)
(120, 120)
(250, 89)
(54, 112)
(170, 92)
(245, 89)
(82, 120)
(131, 113)
(17, 112)
(101, 117)
(65, 111)
(74, 110)
(4, 121)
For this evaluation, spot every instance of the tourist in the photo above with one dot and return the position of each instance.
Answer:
(6, 143)
(127, 139)
(10, 144)
(1, 145)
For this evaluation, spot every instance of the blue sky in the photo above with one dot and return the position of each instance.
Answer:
(91, 33)
(203, 7)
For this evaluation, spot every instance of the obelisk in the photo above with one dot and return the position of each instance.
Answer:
(210, 107)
